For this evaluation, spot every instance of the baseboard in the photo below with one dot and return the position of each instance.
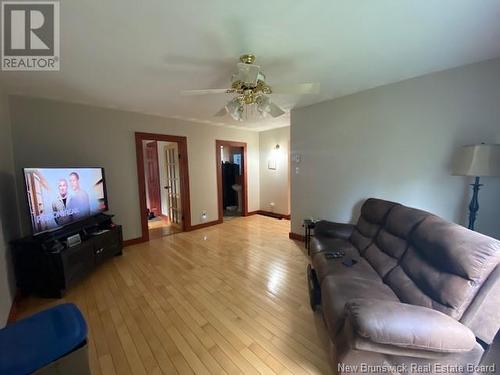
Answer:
(133, 241)
(14, 309)
(270, 214)
(203, 225)
(297, 237)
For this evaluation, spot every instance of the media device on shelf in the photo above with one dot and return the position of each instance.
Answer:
(61, 196)
(71, 233)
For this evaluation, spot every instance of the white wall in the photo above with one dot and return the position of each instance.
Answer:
(275, 184)
(397, 142)
(8, 211)
(50, 133)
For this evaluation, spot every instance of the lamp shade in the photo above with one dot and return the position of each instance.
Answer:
(477, 160)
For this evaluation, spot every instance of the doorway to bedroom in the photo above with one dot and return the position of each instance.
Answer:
(231, 179)
(163, 180)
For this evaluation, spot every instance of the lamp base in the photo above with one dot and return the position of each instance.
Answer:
(474, 203)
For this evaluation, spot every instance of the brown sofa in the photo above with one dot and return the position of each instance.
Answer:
(423, 291)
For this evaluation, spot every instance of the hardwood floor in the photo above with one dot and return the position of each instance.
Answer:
(162, 227)
(231, 298)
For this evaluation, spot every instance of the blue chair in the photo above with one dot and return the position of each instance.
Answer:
(53, 341)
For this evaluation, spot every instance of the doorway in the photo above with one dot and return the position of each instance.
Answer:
(163, 184)
(232, 188)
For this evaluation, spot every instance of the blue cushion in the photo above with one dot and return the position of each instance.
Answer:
(34, 342)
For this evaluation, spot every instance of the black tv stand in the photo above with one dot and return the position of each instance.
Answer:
(46, 266)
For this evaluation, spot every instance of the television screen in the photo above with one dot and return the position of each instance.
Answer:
(60, 196)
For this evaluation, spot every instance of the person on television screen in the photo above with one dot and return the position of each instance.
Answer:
(79, 199)
(59, 205)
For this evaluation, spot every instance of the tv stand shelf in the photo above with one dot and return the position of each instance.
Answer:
(46, 267)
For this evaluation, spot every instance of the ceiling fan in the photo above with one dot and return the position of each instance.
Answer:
(252, 91)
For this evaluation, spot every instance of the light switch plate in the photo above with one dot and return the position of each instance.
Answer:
(296, 158)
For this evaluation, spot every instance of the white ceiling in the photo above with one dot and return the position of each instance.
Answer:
(138, 55)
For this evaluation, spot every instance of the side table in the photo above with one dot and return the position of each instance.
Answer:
(308, 225)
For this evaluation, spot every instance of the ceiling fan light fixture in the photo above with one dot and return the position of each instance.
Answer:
(249, 84)
(235, 109)
(247, 58)
(263, 104)
(248, 73)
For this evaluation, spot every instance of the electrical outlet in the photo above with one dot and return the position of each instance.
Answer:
(204, 215)
(271, 204)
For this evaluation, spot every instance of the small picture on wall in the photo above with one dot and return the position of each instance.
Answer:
(271, 164)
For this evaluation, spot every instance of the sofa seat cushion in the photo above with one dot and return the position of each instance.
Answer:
(323, 243)
(362, 269)
(337, 291)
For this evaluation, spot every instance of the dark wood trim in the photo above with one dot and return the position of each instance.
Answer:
(297, 237)
(184, 178)
(159, 181)
(204, 225)
(14, 309)
(218, 161)
(133, 241)
(253, 213)
(271, 214)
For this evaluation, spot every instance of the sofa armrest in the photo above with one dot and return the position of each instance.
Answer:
(334, 230)
(408, 326)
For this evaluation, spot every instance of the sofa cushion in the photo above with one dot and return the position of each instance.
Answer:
(372, 217)
(364, 233)
(337, 291)
(456, 249)
(391, 241)
(444, 266)
(400, 324)
(322, 243)
(362, 269)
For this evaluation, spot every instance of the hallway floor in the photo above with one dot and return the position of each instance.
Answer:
(161, 227)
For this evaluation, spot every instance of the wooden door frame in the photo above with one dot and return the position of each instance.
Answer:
(159, 182)
(218, 161)
(183, 175)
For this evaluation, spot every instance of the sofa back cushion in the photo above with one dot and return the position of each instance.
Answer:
(391, 242)
(444, 266)
(373, 214)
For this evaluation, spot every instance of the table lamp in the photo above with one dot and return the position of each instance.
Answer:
(477, 161)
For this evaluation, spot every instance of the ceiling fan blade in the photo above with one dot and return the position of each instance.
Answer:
(299, 89)
(221, 113)
(275, 111)
(205, 92)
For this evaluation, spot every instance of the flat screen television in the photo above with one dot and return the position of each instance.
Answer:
(61, 196)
